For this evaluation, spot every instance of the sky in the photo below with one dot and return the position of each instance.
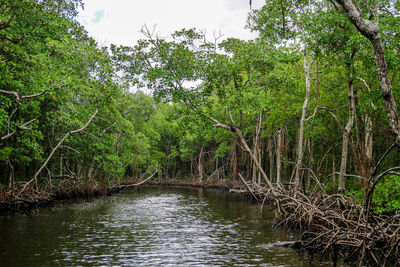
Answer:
(119, 21)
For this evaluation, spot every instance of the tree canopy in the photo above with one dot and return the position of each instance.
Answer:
(306, 102)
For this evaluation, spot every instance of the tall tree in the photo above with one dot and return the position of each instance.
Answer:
(370, 28)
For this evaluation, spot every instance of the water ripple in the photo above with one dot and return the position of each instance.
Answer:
(150, 227)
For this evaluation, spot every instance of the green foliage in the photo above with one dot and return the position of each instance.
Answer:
(54, 76)
(386, 198)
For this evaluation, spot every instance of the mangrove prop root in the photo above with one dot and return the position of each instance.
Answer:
(335, 223)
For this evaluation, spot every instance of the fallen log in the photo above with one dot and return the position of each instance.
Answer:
(134, 185)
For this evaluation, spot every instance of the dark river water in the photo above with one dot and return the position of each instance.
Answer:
(152, 226)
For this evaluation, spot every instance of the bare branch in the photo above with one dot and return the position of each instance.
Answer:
(374, 171)
(54, 150)
(334, 116)
(9, 119)
(108, 128)
(313, 115)
(140, 183)
(364, 82)
(70, 148)
(18, 97)
(231, 117)
(34, 95)
(20, 127)
(315, 178)
(147, 32)
(368, 88)
(347, 175)
(247, 186)
(323, 68)
(86, 125)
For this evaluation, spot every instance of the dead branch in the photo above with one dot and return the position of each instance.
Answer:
(18, 97)
(315, 178)
(247, 186)
(140, 183)
(20, 127)
(54, 150)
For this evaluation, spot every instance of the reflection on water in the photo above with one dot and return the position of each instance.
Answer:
(148, 227)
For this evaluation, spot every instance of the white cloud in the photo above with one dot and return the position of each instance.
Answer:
(120, 21)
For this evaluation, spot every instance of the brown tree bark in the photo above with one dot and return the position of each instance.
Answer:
(200, 165)
(11, 179)
(234, 166)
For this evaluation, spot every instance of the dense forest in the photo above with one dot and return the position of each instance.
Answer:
(309, 105)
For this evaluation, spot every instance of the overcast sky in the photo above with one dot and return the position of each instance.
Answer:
(119, 21)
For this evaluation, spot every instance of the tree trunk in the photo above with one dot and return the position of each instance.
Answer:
(234, 158)
(366, 151)
(256, 149)
(255, 160)
(201, 165)
(260, 154)
(278, 156)
(235, 129)
(371, 30)
(333, 169)
(270, 156)
(34, 179)
(346, 133)
(61, 165)
(285, 150)
(90, 172)
(11, 180)
(300, 150)
(311, 152)
(317, 91)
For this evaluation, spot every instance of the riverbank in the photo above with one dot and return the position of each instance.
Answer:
(25, 201)
(332, 224)
(28, 200)
(150, 226)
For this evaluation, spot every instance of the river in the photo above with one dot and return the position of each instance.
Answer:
(152, 226)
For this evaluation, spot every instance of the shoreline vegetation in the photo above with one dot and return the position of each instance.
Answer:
(332, 224)
(303, 117)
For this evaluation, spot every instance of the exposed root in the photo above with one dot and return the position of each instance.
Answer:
(30, 198)
(336, 224)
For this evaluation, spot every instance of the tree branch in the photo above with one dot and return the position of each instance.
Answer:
(20, 127)
(18, 97)
(367, 27)
(34, 95)
(7, 23)
(12, 40)
(54, 150)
